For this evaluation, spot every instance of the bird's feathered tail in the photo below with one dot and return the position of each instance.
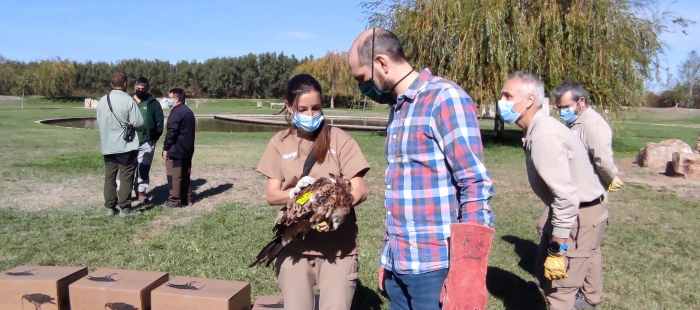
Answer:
(283, 236)
(269, 252)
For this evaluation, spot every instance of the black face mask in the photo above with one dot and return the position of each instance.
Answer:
(141, 94)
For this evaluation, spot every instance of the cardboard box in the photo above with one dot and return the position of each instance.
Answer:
(38, 287)
(185, 293)
(115, 289)
(269, 302)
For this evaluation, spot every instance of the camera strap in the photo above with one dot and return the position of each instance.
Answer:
(109, 103)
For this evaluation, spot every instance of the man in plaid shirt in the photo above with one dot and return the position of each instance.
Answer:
(435, 175)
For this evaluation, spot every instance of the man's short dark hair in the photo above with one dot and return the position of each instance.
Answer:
(118, 78)
(141, 81)
(577, 91)
(179, 93)
(385, 42)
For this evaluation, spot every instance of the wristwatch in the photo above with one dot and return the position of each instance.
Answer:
(555, 247)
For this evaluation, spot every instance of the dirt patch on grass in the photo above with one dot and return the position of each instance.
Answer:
(212, 187)
(9, 98)
(631, 173)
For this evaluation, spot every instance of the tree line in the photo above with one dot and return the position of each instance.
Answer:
(610, 46)
(683, 90)
(333, 73)
(259, 76)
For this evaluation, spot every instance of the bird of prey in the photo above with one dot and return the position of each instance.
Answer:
(322, 206)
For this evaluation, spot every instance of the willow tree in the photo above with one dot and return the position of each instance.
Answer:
(6, 76)
(610, 46)
(333, 73)
(51, 78)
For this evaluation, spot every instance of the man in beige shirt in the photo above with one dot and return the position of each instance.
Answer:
(561, 175)
(571, 99)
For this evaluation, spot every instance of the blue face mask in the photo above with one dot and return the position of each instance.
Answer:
(308, 123)
(505, 110)
(170, 103)
(568, 114)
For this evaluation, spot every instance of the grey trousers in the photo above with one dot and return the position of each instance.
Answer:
(143, 166)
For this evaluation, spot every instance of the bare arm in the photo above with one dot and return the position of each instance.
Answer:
(274, 195)
(359, 191)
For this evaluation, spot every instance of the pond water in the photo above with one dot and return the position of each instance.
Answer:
(207, 124)
(339, 121)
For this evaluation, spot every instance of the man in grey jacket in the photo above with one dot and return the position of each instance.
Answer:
(117, 113)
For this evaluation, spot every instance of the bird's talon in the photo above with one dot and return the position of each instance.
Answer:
(322, 227)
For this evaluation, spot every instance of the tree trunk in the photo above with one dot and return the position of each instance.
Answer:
(690, 96)
(498, 127)
(332, 102)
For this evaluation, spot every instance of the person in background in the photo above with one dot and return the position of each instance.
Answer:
(571, 99)
(152, 114)
(116, 113)
(178, 150)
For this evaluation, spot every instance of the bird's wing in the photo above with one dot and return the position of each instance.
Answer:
(298, 209)
(323, 199)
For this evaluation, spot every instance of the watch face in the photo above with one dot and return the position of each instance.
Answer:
(554, 246)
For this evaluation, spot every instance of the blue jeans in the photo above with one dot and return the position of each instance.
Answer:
(414, 291)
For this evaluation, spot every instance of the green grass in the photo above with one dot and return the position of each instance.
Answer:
(634, 136)
(649, 247)
(66, 163)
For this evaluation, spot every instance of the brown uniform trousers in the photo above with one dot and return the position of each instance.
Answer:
(297, 274)
(584, 257)
(178, 173)
(596, 135)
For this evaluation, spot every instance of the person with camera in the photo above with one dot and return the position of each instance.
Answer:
(118, 119)
(178, 150)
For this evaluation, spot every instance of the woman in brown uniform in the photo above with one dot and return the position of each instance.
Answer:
(325, 259)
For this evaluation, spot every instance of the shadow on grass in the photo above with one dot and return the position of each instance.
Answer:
(513, 291)
(365, 298)
(66, 99)
(526, 249)
(510, 137)
(159, 195)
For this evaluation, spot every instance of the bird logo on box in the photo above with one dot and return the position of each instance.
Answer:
(37, 300)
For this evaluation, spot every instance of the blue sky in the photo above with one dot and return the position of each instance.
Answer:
(177, 30)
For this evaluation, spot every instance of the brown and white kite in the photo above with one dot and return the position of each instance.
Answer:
(322, 206)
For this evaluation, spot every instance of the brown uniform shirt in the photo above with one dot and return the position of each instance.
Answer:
(596, 135)
(283, 159)
(559, 171)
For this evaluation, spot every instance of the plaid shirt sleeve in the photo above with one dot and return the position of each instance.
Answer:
(458, 134)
